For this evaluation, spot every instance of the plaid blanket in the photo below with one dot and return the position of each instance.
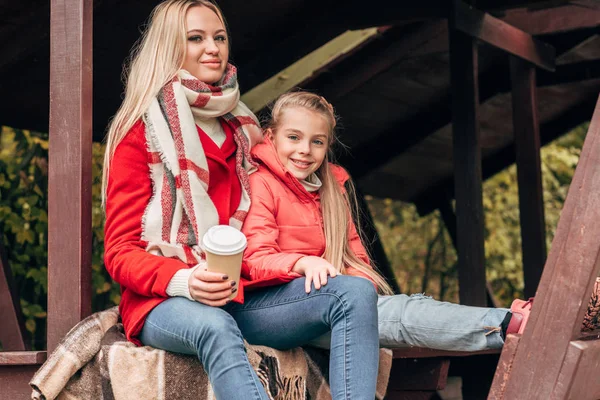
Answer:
(95, 361)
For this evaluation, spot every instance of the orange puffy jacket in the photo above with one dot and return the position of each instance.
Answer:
(284, 222)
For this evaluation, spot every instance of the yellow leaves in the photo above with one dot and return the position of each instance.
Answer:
(30, 325)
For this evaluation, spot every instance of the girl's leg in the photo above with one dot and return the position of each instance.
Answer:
(285, 316)
(183, 326)
(419, 320)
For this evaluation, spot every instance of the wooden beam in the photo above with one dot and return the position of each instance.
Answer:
(22, 357)
(14, 381)
(579, 374)
(12, 329)
(569, 73)
(418, 374)
(498, 33)
(467, 167)
(504, 364)
(566, 284)
(529, 172)
(542, 21)
(70, 167)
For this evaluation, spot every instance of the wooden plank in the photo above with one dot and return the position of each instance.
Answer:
(541, 21)
(412, 395)
(423, 352)
(529, 172)
(467, 167)
(502, 35)
(578, 377)
(14, 381)
(22, 357)
(504, 367)
(12, 328)
(568, 73)
(70, 162)
(419, 374)
(567, 281)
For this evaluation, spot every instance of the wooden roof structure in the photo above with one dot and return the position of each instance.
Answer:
(441, 96)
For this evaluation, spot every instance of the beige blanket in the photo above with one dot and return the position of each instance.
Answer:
(95, 361)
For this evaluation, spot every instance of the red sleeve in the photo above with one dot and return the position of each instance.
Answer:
(263, 257)
(128, 192)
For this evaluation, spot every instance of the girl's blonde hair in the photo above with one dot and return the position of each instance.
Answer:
(154, 61)
(337, 206)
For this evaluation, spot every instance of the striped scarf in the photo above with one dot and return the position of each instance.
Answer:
(180, 210)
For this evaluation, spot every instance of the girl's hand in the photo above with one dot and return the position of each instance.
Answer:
(210, 288)
(315, 269)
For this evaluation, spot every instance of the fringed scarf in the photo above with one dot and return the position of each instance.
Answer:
(180, 210)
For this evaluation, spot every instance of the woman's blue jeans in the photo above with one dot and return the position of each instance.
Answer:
(419, 320)
(281, 317)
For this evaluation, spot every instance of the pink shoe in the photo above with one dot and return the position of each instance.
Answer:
(520, 310)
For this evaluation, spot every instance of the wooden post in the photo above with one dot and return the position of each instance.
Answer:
(467, 167)
(529, 172)
(70, 162)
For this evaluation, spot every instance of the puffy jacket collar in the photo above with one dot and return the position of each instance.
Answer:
(266, 154)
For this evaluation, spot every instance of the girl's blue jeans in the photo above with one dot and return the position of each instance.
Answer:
(281, 317)
(419, 320)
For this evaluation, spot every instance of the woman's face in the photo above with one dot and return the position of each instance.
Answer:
(207, 48)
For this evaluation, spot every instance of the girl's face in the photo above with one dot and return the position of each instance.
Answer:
(301, 141)
(207, 48)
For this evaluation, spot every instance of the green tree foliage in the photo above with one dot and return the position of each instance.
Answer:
(421, 252)
(419, 248)
(24, 226)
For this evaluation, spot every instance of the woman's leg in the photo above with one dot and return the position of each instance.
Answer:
(419, 320)
(286, 316)
(183, 326)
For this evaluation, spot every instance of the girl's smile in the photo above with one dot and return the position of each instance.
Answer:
(301, 141)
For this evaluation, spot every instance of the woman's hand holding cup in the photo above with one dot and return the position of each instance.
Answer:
(211, 288)
(217, 282)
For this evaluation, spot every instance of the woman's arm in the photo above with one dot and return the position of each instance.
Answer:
(129, 190)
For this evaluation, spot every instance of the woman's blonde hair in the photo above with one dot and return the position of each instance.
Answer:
(154, 61)
(337, 206)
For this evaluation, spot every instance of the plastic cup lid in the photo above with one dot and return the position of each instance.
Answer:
(224, 240)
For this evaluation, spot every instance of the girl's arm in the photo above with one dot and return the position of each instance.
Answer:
(263, 257)
(129, 190)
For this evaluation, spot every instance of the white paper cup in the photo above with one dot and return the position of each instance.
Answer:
(224, 247)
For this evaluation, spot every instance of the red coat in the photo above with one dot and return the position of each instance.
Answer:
(144, 277)
(284, 222)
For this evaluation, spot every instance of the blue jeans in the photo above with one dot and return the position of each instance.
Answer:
(419, 320)
(281, 317)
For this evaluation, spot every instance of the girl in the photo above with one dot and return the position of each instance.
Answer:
(300, 224)
(177, 162)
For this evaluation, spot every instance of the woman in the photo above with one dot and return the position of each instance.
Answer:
(177, 162)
